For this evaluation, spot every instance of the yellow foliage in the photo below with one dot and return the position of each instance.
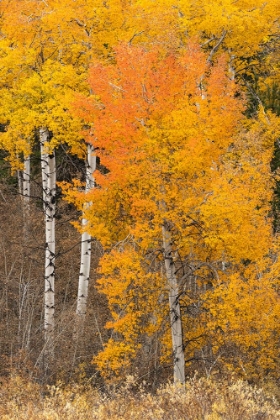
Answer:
(129, 288)
(170, 129)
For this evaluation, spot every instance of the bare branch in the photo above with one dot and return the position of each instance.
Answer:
(216, 47)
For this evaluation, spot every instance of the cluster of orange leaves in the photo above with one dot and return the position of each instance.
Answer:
(170, 131)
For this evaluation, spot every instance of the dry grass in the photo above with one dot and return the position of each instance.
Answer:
(203, 399)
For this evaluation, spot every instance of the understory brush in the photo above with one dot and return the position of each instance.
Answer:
(203, 399)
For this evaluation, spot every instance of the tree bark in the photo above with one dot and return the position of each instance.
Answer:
(26, 180)
(26, 197)
(49, 193)
(174, 306)
(85, 241)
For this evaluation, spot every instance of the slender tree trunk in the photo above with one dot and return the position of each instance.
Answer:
(19, 178)
(174, 305)
(49, 192)
(26, 180)
(26, 197)
(24, 191)
(85, 241)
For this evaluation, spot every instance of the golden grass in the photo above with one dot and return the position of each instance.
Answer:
(203, 399)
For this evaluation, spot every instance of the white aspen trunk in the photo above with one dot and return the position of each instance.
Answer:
(231, 69)
(174, 306)
(49, 192)
(85, 241)
(19, 178)
(26, 180)
(26, 197)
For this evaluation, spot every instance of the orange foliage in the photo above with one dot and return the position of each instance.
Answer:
(169, 129)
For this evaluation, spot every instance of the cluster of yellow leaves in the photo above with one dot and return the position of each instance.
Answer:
(67, 37)
(46, 49)
(244, 311)
(40, 101)
(247, 23)
(129, 287)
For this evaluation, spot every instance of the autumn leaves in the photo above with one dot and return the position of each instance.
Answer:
(181, 203)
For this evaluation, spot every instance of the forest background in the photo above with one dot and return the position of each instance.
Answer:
(156, 125)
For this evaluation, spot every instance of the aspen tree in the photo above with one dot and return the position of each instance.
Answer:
(86, 240)
(26, 190)
(49, 198)
(174, 307)
(146, 133)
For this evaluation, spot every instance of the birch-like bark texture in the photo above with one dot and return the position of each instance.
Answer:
(26, 180)
(174, 306)
(26, 197)
(86, 241)
(19, 179)
(49, 192)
